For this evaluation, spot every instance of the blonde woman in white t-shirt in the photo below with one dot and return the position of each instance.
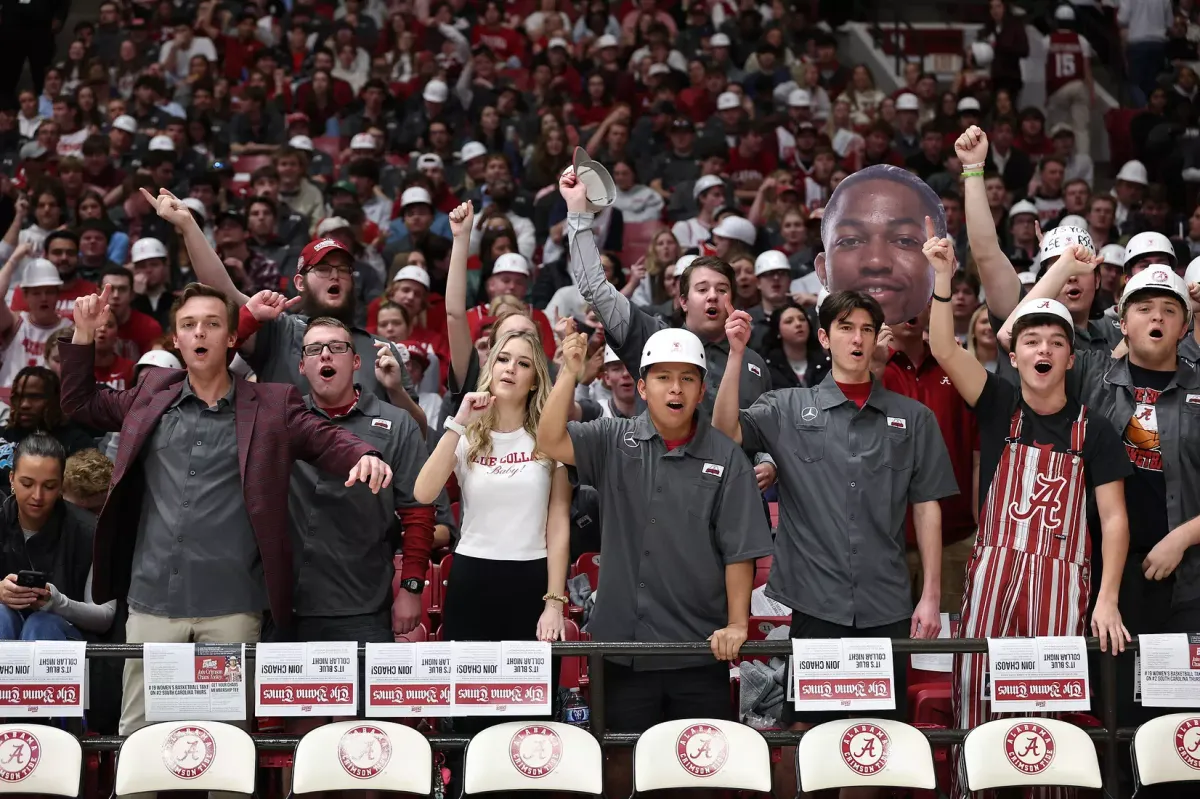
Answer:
(510, 566)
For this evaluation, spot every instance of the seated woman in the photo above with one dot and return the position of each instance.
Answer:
(42, 533)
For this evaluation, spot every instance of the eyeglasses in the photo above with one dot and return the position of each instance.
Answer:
(335, 348)
(327, 271)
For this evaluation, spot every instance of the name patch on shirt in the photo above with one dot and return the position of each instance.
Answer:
(897, 422)
(1192, 399)
(754, 370)
(713, 469)
(386, 424)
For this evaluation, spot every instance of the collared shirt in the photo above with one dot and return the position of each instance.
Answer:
(671, 523)
(846, 478)
(195, 555)
(340, 536)
(277, 352)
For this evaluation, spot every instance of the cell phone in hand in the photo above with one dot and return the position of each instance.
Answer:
(581, 326)
(28, 578)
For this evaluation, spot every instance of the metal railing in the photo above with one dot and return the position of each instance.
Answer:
(1109, 736)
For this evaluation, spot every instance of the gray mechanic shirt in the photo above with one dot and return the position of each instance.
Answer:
(846, 479)
(670, 524)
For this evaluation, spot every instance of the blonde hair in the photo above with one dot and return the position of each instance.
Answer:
(980, 311)
(479, 432)
(87, 473)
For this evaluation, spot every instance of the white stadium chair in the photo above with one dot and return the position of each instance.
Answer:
(1019, 752)
(186, 756)
(363, 755)
(701, 753)
(864, 752)
(39, 760)
(529, 756)
(1167, 749)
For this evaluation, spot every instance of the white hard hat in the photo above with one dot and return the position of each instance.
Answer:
(1192, 275)
(415, 195)
(822, 295)
(983, 54)
(1148, 243)
(908, 102)
(799, 98)
(557, 41)
(659, 69)
(727, 101)
(471, 150)
(413, 273)
(125, 123)
(601, 189)
(436, 91)
(1022, 207)
(362, 141)
(610, 356)
(429, 161)
(1112, 254)
(771, 261)
(607, 40)
(673, 345)
(194, 205)
(704, 183)
(162, 144)
(1073, 220)
(1160, 278)
(969, 104)
(719, 40)
(330, 224)
(301, 143)
(1061, 237)
(1048, 307)
(158, 358)
(1064, 13)
(145, 249)
(682, 263)
(511, 262)
(737, 227)
(1027, 278)
(40, 272)
(1134, 172)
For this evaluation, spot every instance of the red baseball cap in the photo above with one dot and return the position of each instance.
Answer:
(416, 350)
(316, 250)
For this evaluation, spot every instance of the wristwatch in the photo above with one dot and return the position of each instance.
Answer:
(413, 586)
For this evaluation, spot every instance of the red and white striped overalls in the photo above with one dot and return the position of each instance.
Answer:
(1028, 573)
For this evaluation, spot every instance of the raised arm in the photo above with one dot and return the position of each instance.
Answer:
(8, 319)
(552, 436)
(458, 330)
(205, 262)
(440, 465)
(83, 399)
(726, 415)
(966, 373)
(996, 272)
(1076, 261)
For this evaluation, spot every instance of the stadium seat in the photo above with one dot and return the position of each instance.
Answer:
(570, 674)
(363, 755)
(762, 570)
(636, 239)
(758, 629)
(249, 163)
(37, 759)
(1167, 749)
(186, 756)
(701, 753)
(589, 563)
(330, 145)
(868, 753)
(1024, 752)
(523, 756)
(930, 704)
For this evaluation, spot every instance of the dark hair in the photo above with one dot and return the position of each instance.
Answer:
(366, 168)
(1041, 320)
(961, 277)
(40, 445)
(69, 235)
(773, 340)
(931, 204)
(840, 304)
(705, 262)
(96, 144)
(951, 195)
(329, 321)
(1051, 159)
(200, 290)
(269, 172)
(116, 271)
(1004, 120)
(259, 200)
(53, 417)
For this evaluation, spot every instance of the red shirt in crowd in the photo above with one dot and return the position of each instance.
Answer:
(697, 103)
(70, 291)
(137, 335)
(239, 55)
(743, 170)
(118, 375)
(502, 41)
(474, 315)
(929, 385)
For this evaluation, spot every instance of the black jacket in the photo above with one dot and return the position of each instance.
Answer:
(62, 548)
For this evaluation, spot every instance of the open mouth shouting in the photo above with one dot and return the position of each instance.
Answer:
(334, 290)
(1156, 333)
(200, 351)
(327, 372)
(712, 311)
(1042, 367)
(1073, 293)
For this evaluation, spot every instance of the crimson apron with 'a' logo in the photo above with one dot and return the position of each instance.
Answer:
(1028, 573)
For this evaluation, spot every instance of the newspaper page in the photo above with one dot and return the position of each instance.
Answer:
(1170, 669)
(42, 678)
(1047, 673)
(409, 679)
(843, 674)
(307, 679)
(194, 682)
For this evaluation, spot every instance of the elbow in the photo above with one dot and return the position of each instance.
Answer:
(424, 494)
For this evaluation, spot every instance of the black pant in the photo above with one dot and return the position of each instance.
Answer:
(18, 45)
(634, 701)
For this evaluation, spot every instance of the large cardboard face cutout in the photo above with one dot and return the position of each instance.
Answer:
(874, 231)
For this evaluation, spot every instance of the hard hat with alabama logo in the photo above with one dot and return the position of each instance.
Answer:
(1148, 243)
(1060, 238)
(1156, 278)
(1046, 308)
(673, 345)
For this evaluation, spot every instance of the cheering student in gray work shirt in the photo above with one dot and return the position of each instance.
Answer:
(852, 457)
(682, 524)
(325, 282)
(704, 288)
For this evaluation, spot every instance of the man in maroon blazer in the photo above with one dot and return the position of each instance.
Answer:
(194, 531)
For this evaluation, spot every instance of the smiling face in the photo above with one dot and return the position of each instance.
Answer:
(1154, 322)
(874, 245)
(672, 391)
(202, 334)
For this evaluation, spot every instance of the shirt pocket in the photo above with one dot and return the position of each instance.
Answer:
(897, 449)
(701, 498)
(1189, 422)
(810, 442)
(168, 432)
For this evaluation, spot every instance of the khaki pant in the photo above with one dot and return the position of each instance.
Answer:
(1072, 104)
(954, 573)
(141, 628)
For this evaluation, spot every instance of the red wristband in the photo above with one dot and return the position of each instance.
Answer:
(247, 326)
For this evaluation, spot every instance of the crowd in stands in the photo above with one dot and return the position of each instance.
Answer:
(298, 297)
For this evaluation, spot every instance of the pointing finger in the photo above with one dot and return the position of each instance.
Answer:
(930, 230)
(105, 293)
(150, 198)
